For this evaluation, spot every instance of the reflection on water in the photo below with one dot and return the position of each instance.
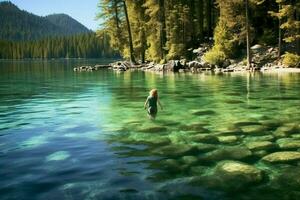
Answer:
(86, 135)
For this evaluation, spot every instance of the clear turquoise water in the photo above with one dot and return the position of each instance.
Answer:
(69, 135)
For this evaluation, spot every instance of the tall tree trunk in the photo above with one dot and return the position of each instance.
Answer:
(200, 7)
(163, 35)
(116, 14)
(248, 35)
(279, 35)
(208, 16)
(132, 59)
(192, 17)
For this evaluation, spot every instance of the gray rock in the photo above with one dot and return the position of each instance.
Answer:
(256, 47)
(282, 157)
(194, 64)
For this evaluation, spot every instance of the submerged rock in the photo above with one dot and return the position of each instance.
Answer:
(231, 176)
(227, 153)
(173, 150)
(260, 145)
(189, 160)
(199, 127)
(203, 112)
(154, 129)
(288, 143)
(228, 139)
(256, 129)
(282, 157)
(205, 138)
(238, 172)
(259, 138)
(286, 130)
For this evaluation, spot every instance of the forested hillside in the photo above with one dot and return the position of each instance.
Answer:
(66, 22)
(16, 24)
(77, 46)
(160, 30)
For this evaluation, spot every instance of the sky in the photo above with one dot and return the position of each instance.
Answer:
(83, 11)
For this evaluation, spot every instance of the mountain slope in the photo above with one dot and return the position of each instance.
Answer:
(16, 24)
(66, 22)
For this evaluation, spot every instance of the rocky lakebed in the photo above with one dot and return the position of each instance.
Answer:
(250, 156)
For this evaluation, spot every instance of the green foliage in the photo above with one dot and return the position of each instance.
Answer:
(215, 56)
(78, 46)
(269, 37)
(224, 41)
(291, 60)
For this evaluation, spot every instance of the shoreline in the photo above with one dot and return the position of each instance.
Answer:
(178, 66)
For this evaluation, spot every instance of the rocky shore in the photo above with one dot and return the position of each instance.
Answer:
(264, 59)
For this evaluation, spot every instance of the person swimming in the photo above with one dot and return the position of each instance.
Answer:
(151, 102)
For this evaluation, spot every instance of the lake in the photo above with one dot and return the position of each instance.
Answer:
(85, 135)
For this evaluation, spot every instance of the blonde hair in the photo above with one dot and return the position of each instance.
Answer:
(153, 93)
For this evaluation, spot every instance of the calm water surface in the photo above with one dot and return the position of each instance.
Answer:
(68, 135)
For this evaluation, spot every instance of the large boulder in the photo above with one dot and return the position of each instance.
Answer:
(194, 64)
(173, 65)
(233, 171)
(282, 157)
(232, 176)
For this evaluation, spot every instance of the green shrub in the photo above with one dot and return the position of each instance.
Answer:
(215, 56)
(227, 42)
(291, 60)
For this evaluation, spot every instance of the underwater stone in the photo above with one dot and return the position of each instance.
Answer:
(260, 153)
(259, 138)
(296, 136)
(199, 127)
(202, 147)
(288, 143)
(205, 138)
(189, 159)
(154, 129)
(271, 124)
(260, 145)
(246, 123)
(290, 178)
(203, 112)
(238, 172)
(231, 152)
(173, 150)
(282, 157)
(254, 129)
(57, 156)
(286, 130)
(198, 170)
(228, 139)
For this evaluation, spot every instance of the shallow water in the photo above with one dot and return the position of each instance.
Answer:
(70, 135)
